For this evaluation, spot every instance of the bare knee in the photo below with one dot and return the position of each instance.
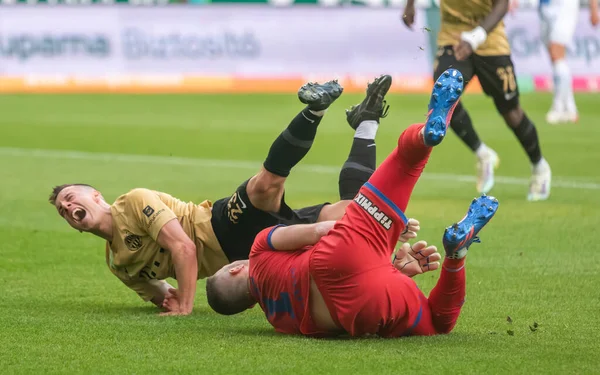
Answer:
(556, 51)
(265, 191)
(334, 211)
(514, 117)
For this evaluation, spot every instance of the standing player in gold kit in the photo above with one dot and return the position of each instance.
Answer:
(473, 40)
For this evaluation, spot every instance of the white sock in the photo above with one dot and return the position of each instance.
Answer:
(482, 150)
(563, 85)
(367, 130)
(571, 106)
(541, 166)
(320, 113)
(570, 100)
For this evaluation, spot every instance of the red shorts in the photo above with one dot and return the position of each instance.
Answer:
(352, 268)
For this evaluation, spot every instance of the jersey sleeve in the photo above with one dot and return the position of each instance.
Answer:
(150, 213)
(143, 288)
(262, 241)
(146, 289)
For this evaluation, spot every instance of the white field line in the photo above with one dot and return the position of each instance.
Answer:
(250, 165)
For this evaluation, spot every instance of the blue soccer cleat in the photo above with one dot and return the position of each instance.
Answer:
(459, 236)
(446, 91)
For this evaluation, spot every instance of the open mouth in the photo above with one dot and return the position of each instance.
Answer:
(79, 214)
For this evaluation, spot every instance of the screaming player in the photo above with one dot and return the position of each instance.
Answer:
(472, 39)
(335, 278)
(151, 236)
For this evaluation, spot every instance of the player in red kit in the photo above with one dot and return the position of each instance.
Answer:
(335, 278)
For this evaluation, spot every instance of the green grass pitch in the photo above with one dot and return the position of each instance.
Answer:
(61, 311)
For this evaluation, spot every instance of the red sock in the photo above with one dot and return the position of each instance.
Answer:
(448, 296)
(389, 188)
(397, 176)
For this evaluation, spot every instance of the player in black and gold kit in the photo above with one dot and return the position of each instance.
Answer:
(151, 236)
(472, 39)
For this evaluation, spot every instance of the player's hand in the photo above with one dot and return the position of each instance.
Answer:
(172, 306)
(462, 50)
(594, 18)
(410, 231)
(177, 310)
(408, 17)
(418, 259)
(171, 300)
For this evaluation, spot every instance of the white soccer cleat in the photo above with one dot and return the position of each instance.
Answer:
(488, 162)
(554, 117)
(541, 178)
(571, 117)
(561, 117)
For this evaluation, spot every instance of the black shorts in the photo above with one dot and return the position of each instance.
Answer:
(496, 75)
(236, 221)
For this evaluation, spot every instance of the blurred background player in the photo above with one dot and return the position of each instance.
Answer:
(472, 39)
(558, 22)
(152, 236)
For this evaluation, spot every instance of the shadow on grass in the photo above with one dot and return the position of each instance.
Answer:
(202, 322)
(247, 331)
(70, 307)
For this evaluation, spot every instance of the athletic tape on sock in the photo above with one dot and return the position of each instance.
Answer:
(367, 130)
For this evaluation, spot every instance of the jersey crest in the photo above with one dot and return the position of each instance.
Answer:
(133, 242)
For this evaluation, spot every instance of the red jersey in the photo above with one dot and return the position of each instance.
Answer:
(280, 282)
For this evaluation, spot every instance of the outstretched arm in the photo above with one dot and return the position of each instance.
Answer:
(471, 40)
(155, 218)
(298, 236)
(183, 252)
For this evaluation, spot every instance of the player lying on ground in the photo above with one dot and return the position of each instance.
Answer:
(152, 236)
(472, 39)
(335, 278)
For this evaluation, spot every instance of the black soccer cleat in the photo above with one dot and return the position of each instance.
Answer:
(374, 106)
(320, 96)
